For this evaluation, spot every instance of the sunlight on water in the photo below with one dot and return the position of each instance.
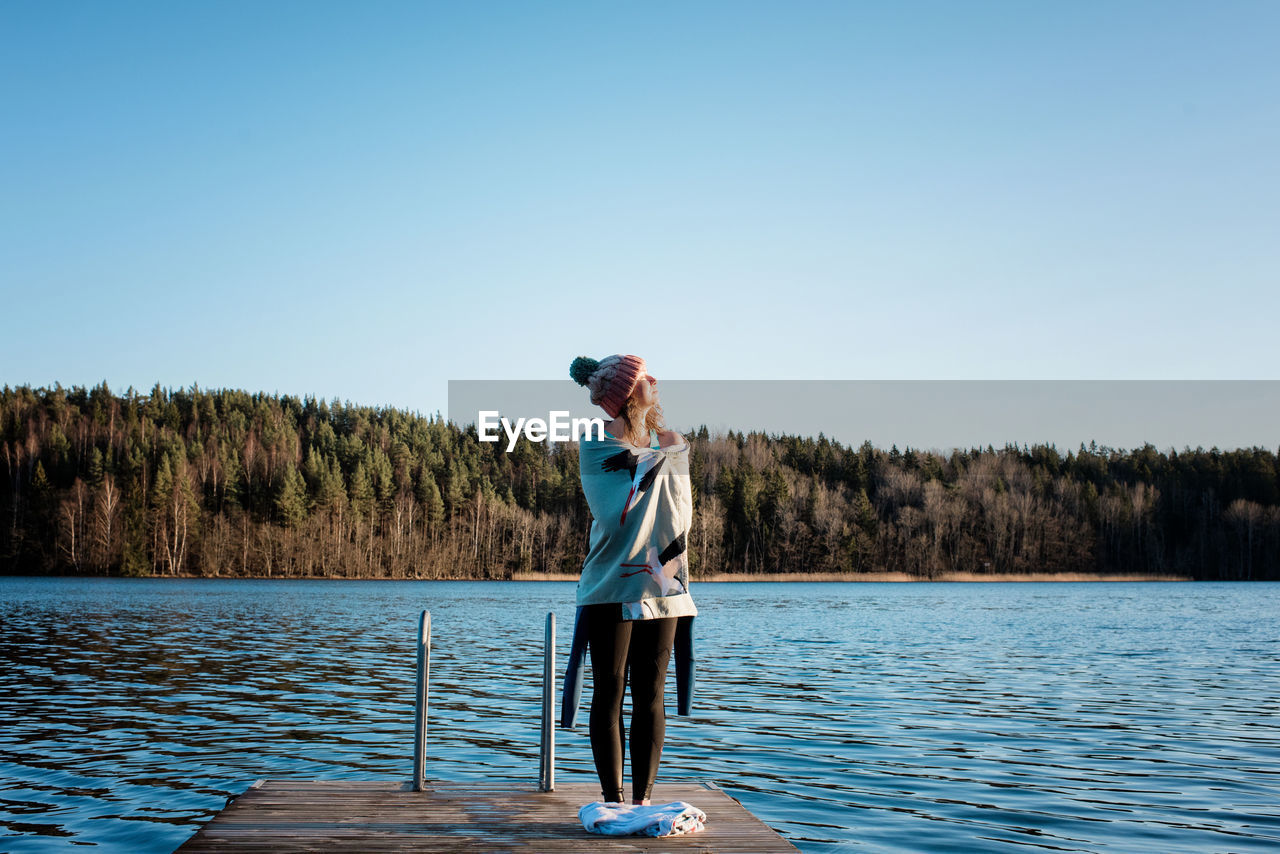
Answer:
(851, 717)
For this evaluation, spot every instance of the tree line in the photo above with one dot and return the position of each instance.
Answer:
(228, 483)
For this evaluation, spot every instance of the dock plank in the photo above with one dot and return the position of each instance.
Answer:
(388, 816)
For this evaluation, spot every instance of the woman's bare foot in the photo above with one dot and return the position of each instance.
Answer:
(641, 802)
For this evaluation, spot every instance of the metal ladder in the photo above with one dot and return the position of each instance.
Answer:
(547, 758)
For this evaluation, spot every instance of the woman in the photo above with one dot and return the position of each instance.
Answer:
(635, 581)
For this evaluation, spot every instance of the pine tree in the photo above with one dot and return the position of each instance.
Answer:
(315, 470)
(428, 494)
(360, 491)
(383, 478)
(162, 486)
(291, 501)
(40, 481)
(329, 489)
(865, 515)
(95, 468)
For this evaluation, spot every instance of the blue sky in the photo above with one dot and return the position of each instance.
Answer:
(366, 200)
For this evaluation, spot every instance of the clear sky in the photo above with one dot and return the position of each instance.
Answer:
(366, 200)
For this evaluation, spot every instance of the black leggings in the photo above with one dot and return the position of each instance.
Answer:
(644, 647)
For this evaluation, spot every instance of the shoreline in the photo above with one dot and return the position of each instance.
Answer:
(713, 578)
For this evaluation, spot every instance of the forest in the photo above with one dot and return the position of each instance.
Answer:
(231, 483)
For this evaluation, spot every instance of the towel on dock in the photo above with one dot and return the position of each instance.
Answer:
(612, 819)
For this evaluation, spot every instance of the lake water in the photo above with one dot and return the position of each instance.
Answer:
(850, 717)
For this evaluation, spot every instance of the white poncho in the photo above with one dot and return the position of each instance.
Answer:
(642, 509)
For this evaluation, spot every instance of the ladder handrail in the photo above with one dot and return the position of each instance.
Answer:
(547, 775)
(420, 702)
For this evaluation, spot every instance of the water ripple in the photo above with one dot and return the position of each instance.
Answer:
(887, 718)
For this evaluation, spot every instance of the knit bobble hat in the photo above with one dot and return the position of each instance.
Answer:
(611, 380)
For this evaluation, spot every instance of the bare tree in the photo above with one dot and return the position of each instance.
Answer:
(105, 528)
(73, 523)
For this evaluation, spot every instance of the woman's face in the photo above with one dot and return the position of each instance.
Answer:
(646, 392)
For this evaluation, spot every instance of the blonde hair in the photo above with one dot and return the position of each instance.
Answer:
(653, 420)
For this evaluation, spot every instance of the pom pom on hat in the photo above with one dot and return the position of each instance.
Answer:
(582, 369)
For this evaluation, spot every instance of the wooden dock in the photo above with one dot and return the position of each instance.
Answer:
(282, 815)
